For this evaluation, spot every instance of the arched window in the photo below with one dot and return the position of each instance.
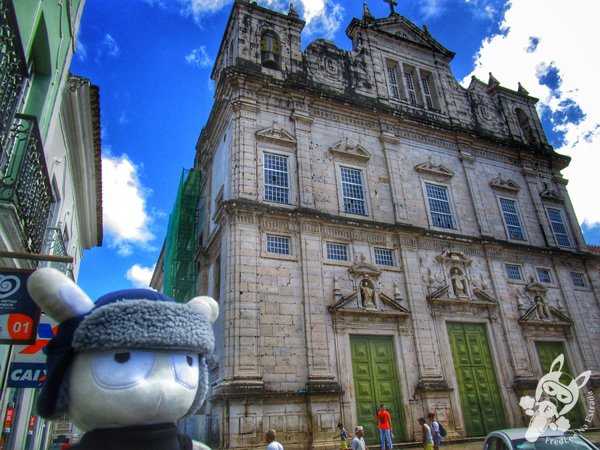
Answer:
(269, 49)
(525, 126)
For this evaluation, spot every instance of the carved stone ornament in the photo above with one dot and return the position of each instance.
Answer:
(454, 258)
(429, 168)
(504, 184)
(276, 135)
(541, 313)
(367, 296)
(457, 294)
(348, 149)
(551, 195)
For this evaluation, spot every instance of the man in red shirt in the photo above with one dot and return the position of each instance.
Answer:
(384, 423)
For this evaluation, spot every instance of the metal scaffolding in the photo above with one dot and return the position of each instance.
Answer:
(180, 270)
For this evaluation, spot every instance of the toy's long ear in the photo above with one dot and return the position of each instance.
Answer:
(559, 361)
(208, 306)
(58, 295)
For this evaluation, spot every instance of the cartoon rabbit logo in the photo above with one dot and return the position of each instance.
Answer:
(553, 399)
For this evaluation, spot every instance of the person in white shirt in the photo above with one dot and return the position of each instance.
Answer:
(358, 443)
(435, 431)
(272, 444)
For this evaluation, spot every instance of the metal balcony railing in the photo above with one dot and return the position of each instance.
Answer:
(24, 179)
(54, 244)
(13, 70)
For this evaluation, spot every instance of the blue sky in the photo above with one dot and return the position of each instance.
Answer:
(152, 60)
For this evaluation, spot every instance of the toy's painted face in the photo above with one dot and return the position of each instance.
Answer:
(131, 387)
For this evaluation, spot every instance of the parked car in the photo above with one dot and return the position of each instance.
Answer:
(514, 439)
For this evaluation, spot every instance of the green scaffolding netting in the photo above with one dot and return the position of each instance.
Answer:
(180, 269)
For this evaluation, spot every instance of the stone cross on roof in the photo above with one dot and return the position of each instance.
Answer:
(392, 4)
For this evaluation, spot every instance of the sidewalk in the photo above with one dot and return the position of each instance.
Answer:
(477, 443)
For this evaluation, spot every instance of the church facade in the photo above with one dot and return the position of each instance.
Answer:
(376, 233)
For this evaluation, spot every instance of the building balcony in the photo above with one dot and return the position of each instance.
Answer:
(54, 244)
(13, 71)
(24, 181)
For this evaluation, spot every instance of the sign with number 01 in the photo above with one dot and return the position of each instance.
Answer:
(19, 315)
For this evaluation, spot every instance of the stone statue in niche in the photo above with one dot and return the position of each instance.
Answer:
(541, 309)
(367, 292)
(459, 282)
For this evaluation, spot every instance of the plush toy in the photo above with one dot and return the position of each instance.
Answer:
(126, 368)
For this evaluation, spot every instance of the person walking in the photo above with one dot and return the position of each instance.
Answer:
(384, 423)
(427, 438)
(343, 436)
(272, 444)
(435, 431)
(358, 443)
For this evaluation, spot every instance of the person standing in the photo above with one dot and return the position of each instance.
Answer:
(384, 423)
(427, 438)
(435, 431)
(358, 443)
(272, 444)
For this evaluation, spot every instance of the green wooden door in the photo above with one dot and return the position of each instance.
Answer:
(375, 382)
(547, 353)
(477, 384)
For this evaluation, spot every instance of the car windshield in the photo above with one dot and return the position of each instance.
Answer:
(566, 442)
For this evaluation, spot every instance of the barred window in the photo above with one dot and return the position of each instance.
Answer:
(384, 257)
(277, 187)
(512, 219)
(544, 275)
(393, 79)
(557, 222)
(578, 279)
(279, 245)
(337, 252)
(439, 206)
(353, 191)
(514, 272)
(410, 88)
(427, 93)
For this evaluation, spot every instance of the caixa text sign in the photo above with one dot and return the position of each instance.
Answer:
(26, 375)
(19, 315)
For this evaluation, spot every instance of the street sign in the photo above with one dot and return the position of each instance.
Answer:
(36, 352)
(26, 375)
(19, 315)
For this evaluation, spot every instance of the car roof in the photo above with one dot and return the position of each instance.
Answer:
(519, 433)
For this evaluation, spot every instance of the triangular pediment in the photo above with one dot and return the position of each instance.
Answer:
(403, 29)
(551, 316)
(348, 149)
(384, 306)
(552, 195)
(505, 184)
(276, 135)
(429, 168)
(484, 296)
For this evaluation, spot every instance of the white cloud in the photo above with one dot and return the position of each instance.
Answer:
(81, 51)
(199, 58)
(140, 276)
(539, 34)
(124, 203)
(109, 46)
(322, 17)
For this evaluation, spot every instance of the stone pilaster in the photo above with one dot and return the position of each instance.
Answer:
(390, 145)
(303, 121)
(320, 374)
(474, 184)
(244, 148)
